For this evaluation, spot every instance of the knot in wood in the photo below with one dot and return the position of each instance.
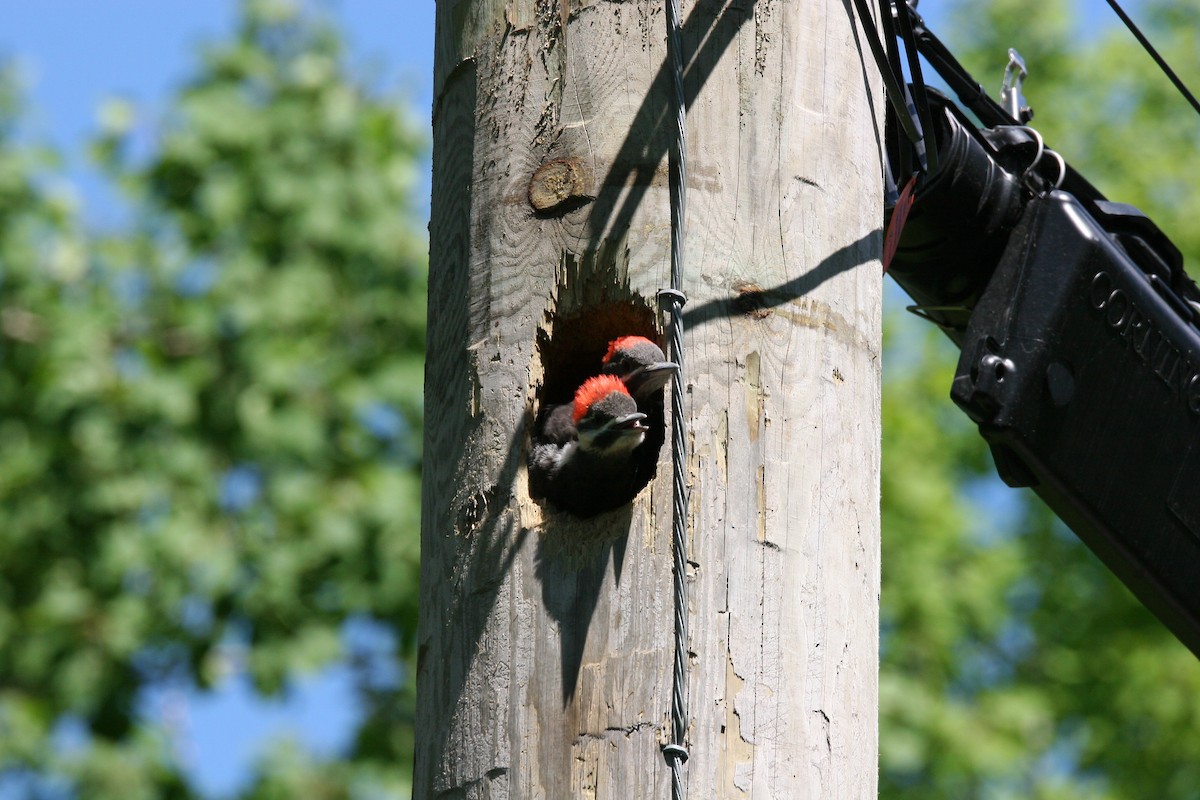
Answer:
(558, 185)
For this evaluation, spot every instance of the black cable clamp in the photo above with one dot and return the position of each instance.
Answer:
(669, 297)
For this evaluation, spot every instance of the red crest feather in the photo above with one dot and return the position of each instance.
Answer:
(593, 389)
(621, 344)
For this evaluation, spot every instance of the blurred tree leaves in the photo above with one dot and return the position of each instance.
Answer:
(1014, 664)
(210, 421)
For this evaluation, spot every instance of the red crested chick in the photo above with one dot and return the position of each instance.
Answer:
(581, 459)
(641, 364)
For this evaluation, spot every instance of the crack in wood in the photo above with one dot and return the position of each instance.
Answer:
(608, 733)
(826, 724)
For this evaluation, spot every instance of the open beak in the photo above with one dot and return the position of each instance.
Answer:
(630, 422)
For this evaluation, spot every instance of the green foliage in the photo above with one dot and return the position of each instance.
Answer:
(210, 422)
(1015, 665)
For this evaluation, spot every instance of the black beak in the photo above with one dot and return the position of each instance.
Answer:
(652, 377)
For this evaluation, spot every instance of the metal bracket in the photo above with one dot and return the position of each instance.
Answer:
(1011, 96)
(669, 297)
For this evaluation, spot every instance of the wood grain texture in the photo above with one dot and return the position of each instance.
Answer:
(546, 641)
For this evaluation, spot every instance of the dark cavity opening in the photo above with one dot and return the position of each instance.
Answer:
(572, 350)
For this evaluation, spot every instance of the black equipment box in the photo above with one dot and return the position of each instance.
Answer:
(1078, 327)
(1081, 367)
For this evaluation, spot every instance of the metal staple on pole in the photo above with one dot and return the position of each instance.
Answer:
(676, 752)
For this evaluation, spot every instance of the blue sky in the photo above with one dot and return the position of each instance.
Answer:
(75, 53)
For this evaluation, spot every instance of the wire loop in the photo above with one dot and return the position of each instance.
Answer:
(675, 751)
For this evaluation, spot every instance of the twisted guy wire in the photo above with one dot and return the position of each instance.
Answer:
(676, 752)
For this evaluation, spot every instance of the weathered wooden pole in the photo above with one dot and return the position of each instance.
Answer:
(546, 641)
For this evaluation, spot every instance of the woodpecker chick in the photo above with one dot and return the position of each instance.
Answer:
(582, 451)
(641, 364)
(644, 368)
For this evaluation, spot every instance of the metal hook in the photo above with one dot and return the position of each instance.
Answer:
(1011, 96)
(1030, 173)
(1062, 168)
(1041, 149)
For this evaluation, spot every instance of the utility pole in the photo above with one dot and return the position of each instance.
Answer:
(545, 640)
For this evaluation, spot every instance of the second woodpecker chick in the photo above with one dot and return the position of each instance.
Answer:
(645, 370)
(582, 458)
(641, 364)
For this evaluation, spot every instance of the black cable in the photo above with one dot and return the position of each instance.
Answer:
(1149, 48)
(918, 83)
(887, 29)
(969, 91)
(891, 87)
